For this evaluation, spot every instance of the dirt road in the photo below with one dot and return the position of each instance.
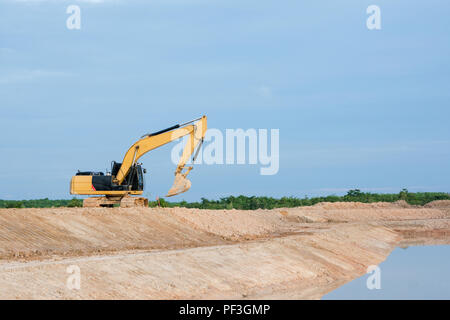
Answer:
(189, 253)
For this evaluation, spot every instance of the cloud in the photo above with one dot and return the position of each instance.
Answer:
(30, 75)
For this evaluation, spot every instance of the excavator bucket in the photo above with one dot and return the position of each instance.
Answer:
(180, 185)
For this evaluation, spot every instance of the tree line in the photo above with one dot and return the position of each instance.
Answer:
(252, 203)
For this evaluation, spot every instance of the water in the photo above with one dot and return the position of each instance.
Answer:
(421, 272)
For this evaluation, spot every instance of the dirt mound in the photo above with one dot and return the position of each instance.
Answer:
(234, 224)
(360, 205)
(177, 253)
(298, 266)
(438, 204)
(27, 233)
(363, 213)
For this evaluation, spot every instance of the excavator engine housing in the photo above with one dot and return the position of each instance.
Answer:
(98, 183)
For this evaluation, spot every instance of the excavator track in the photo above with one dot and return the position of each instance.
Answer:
(97, 202)
(124, 202)
(132, 202)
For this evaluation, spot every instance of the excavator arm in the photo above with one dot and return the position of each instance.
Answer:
(195, 130)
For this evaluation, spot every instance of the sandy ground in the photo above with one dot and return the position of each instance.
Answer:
(295, 253)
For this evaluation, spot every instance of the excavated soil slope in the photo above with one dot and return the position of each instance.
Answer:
(189, 253)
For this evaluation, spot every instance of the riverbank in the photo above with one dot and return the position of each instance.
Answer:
(178, 253)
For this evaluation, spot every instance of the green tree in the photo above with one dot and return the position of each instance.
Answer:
(75, 203)
(403, 195)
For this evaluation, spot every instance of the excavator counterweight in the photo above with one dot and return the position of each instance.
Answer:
(127, 178)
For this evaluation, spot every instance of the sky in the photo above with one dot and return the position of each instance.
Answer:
(355, 108)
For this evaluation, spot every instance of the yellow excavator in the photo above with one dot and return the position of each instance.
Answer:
(127, 178)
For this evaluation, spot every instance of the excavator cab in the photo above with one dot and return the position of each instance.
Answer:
(134, 180)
